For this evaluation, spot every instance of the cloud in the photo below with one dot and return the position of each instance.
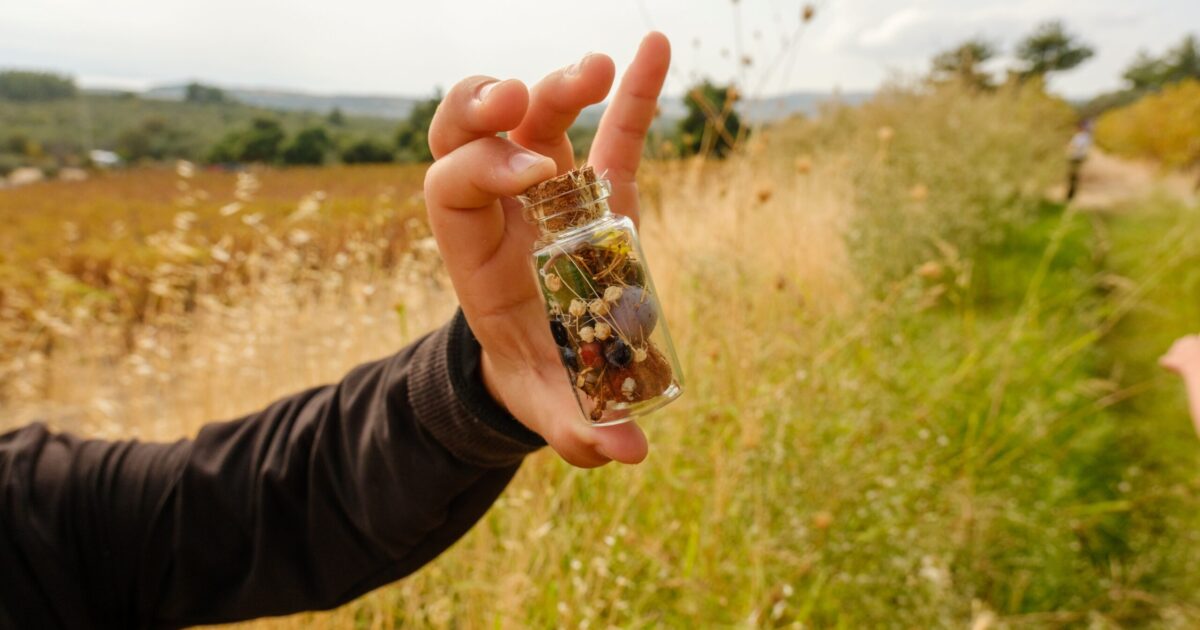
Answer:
(891, 28)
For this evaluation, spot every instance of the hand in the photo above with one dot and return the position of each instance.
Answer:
(1184, 357)
(487, 244)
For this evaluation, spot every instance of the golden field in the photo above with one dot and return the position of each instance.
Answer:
(920, 393)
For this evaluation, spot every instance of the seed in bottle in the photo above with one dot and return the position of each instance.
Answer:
(618, 353)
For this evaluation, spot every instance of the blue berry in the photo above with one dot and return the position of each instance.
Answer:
(618, 353)
(560, 332)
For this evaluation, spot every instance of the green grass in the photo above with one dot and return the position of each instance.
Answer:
(1156, 247)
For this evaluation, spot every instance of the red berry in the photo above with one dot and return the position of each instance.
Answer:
(590, 355)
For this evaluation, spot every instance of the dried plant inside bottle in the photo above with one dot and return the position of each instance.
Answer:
(604, 312)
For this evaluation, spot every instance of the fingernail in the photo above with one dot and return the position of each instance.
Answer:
(576, 67)
(485, 89)
(522, 161)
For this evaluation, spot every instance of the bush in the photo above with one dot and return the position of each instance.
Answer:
(942, 165)
(367, 151)
(154, 139)
(1164, 127)
(16, 85)
(200, 93)
(412, 137)
(259, 143)
(711, 125)
(308, 147)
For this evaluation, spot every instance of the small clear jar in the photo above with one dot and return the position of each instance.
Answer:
(604, 312)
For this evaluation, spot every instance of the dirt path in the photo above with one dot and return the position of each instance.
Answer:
(1108, 182)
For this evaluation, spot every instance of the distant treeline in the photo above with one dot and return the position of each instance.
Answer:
(47, 121)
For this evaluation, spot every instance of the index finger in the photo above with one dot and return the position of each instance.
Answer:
(474, 108)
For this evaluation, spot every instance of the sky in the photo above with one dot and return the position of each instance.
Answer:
(411, 47)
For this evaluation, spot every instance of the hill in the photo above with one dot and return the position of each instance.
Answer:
(53, 130)
(364, 105)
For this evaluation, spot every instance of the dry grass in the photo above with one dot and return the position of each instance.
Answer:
(865, 441)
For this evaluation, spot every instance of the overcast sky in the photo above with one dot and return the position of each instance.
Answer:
(409, 47)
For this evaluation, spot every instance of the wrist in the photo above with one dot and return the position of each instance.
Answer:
(488, 374)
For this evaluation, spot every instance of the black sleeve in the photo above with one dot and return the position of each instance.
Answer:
(305, 505)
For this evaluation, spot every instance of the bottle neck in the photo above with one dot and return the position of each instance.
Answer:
(563, 204)
(570, 221)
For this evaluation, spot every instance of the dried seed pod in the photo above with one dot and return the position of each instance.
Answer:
(635, 313)
(587, 333)
(603, 331)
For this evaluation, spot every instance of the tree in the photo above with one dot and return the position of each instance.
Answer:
(200, 93)
(308, 147)
(259, 143)
(1050, 48)
(1148, 72)
(711, 124)
(336, 117)
(153, 139)
(412, 137)
(367, 151)
(23, 86)
(964, 62)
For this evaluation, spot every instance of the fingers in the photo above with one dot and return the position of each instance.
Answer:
(462, 189)
(622, 132)
(476, 107)
(555, 103)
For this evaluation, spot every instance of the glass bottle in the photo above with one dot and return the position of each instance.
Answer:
(604, 312)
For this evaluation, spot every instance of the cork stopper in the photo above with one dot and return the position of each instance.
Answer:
(560, 203)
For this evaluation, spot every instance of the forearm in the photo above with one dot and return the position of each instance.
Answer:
(318, 498)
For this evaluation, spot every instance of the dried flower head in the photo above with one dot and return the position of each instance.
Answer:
(577, 308)
(598, 307)
(587, 334)
(553, 282)
(930, 270)
(639, 355)
(603, 331)
(628, 387)
(613, 293)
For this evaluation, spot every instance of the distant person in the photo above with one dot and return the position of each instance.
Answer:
(340, 489)
(1184, 359)
(1077, 153)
